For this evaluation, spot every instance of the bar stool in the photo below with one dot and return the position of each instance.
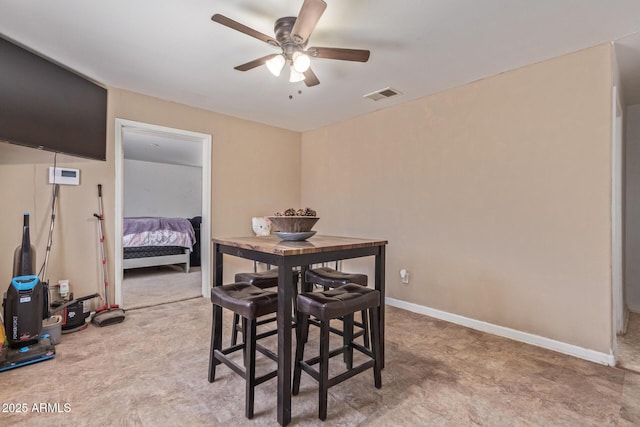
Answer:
(250, 302)
(333, 278)
(263, 280)
(324, 306)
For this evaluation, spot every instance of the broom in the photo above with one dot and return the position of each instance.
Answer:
(108, 314)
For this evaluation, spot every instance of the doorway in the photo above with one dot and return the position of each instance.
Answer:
(126, 128)
(617, 252)
(628, 343)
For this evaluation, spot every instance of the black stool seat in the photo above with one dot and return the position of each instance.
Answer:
(330, 278)
(263, 279)
(245, 299)
(250, 302)
(327, 305)
(338, 302)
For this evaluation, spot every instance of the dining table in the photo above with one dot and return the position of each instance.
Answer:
(288, 255)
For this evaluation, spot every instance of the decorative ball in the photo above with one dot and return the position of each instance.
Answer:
(293, 224)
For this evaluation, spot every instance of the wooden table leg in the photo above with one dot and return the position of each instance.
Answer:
(285, 296)
(217, 265)
(380, 286)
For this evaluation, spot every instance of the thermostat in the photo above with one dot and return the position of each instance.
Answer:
(64, 176)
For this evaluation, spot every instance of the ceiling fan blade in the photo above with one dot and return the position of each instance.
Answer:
(255, 63)
(356, 55)
(309, 15)
(310, 78)
(228, 22)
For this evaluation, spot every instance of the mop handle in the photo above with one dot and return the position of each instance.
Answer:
(102, 250)
(56, 188)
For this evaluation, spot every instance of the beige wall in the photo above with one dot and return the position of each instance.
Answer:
(494, 195)
(255, 171)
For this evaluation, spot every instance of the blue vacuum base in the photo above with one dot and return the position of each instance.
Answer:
(17, 357)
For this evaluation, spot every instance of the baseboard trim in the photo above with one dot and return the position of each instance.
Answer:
(525, 337)
(633, 308)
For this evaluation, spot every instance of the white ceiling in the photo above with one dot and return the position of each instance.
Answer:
(159, 147)
(172, 49)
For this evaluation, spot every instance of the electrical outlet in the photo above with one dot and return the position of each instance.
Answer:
(404, 276)
(64, 287)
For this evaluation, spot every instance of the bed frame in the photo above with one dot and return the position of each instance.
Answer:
(153, 261)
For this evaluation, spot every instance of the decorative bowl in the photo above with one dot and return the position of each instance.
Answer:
(294, 237)
(293, 224)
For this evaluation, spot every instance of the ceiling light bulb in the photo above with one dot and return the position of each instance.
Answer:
(276, 64)
(295, 76)
(301, 62)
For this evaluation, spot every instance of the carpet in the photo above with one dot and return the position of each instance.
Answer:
(145, 287)
(151, 370)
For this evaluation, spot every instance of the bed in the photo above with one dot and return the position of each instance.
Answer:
(154, 241)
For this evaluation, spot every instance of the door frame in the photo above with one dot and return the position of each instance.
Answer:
(123, 125)
(617, 219)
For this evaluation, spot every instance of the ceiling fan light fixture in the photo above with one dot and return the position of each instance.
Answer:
(291, 36)
(295, 77)
(276, 64)
(301, 62)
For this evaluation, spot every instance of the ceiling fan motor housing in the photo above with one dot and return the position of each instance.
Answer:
(282, 31)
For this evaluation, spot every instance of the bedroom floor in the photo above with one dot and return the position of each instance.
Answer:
(629, 345)
(145, 287)
(152, 370)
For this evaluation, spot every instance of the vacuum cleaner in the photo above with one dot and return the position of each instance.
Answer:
(23, 311)
(25, 305)
(108, 314)
(74, 312)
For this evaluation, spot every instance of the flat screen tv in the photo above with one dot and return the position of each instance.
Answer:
(46, 106)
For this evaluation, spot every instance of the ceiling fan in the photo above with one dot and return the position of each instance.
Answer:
(291, 35)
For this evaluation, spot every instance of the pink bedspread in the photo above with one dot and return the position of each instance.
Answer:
(157, 231)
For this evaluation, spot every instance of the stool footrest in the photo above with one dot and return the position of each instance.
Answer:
(270, 354)
(266, 334)
(340, 350)
(266, 377)
(332, 353)
(315, 374)
(265, 321)
(350, 373)
(340, 332)
(231, 349)
(237, 347)
(221, 357)
(362, 350)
